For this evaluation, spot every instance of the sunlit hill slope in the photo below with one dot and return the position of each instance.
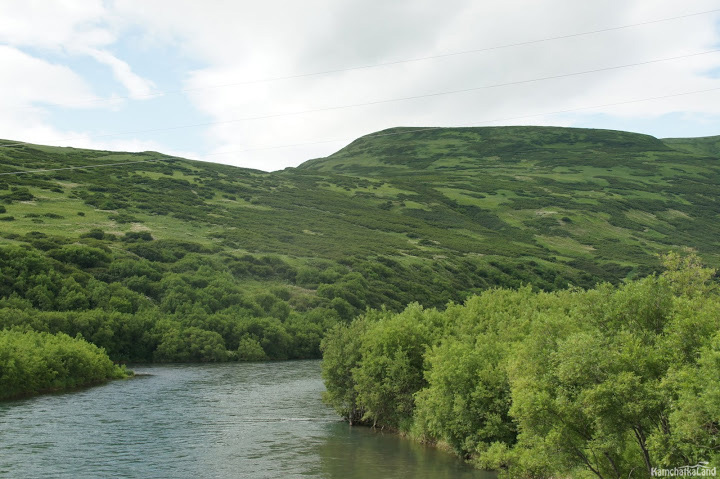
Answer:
(402, 215)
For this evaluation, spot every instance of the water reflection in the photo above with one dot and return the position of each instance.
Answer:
(262, 420)
(355, 452)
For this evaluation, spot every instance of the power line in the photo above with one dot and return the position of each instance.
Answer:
(390, 100)
(395, 62)
(375, 135)
(474, 123)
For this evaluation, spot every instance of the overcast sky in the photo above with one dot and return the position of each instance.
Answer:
(209, 79)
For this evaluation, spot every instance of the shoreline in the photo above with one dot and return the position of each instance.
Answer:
(62, 390)
(439, 444)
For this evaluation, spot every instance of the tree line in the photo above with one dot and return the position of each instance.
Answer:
(609, 382)
(146, 299)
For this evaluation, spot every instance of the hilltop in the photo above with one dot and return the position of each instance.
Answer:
(600, 200)
(254, 264)
(405, 150)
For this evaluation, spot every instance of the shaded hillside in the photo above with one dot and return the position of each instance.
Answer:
(169, 259)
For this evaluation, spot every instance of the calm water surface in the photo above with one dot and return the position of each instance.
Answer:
(260, 420)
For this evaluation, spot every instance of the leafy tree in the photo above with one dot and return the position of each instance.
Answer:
(610, 382)
(342, 354)
(190, 345)
(249, 349)
(33, 362)
(467, 399)
(83, 256)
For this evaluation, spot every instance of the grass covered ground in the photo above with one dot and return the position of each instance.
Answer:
(178, 260)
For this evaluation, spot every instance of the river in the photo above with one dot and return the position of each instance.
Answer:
(254, 420)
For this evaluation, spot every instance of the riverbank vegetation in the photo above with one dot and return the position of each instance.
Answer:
(158, 258)
(607, 382)
(34, 362)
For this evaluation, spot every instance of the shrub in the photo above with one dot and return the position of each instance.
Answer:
(34, 362)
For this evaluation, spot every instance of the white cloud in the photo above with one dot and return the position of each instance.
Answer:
(68, 27)
(53, 24)
(26, 85)
(242, 42)
(27, 80)
(136, 86)
(37, 39)
(239, 42)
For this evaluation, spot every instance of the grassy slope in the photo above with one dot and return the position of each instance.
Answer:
(588, 198)
(470, 206)
(709, 145)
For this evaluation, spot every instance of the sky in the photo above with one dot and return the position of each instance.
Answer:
(271, 84)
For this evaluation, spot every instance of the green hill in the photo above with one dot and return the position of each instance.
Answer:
(611, 198)
(404, 150)
(709, 145)
(170, 259)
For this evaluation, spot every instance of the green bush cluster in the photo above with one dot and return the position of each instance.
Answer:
(608, 382)
(140, 310)
(140, 304)
(34, 362)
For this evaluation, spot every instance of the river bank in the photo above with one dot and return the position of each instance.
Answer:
(248, 420)
(33, 363)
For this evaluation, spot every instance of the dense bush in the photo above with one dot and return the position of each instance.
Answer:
(83, 256)
(18, 194)
(577, 383)
(33, 362)
(139, 310)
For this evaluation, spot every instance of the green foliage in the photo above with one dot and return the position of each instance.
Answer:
(249, 349)
(33, 362)
(606, 382)
(136, 256)
(391, 368)
(341, 349)
(95, 233)
(83, 256)
(133, 236)
(139, 311)
(18, 194)
(190, 345)
(466, 400)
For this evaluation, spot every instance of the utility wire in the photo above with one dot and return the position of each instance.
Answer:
(390, 100)
(395, 62)
(376, 135)
(470, 124)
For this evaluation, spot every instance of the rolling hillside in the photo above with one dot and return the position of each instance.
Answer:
(251, 264)
(608, 197)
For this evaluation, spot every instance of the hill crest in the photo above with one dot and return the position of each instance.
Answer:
(431, 148)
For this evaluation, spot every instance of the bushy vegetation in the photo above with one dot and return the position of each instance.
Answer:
(608, 382)
(139, 310)
(33, 362)
(178, 260)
